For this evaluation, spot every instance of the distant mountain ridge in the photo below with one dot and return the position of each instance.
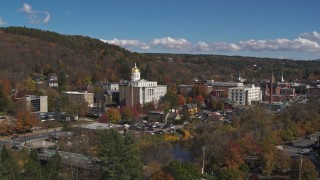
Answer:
(25, 52)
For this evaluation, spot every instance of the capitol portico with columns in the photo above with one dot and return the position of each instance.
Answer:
(140, 90)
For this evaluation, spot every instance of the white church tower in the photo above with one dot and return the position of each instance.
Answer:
(135, 73)
(282, 79)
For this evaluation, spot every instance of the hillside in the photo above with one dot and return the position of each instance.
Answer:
(26, 52)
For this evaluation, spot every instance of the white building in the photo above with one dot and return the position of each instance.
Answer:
(140, 90)
(244, 95)
(37, 103)
(80, 97)
(111, 86)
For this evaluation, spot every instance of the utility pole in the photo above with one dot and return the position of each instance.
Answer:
(203, 156)
(300, 167)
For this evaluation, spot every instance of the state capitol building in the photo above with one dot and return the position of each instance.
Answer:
(140, 90)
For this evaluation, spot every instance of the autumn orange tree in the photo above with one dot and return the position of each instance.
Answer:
(25, 120)
(4, 127)
(234, 155)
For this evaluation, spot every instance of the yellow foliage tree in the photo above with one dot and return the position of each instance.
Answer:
(186, 134)
(113, 115)
(30, 84)
(171, 137)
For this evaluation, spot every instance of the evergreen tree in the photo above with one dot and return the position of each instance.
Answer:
(131, 155)
(53, 167)
(5, 102)
(8, 166)
(172, 98)
(120, 156)
(33, 170)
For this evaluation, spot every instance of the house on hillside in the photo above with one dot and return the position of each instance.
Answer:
(52, 80)
(192, 109)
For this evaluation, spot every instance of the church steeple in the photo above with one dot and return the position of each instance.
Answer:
(282, 79)
(239, 77)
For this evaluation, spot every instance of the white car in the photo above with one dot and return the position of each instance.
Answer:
(304, 151)
(279, 147)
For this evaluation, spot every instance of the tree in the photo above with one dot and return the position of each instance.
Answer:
(62, 79)
(183, 171)
(126, 115)
(4, 127)
(120, 156)
(5, 87)
(5, 102)
(268, 153)
(25, 120)
(199, 99)
(233, 173)
(52, 98)
(305, 167)
(149, 107)
(256, 120)
(200, 89)
(161, 175)
(216, 143)
(30, 84)
(157, 150)
(172, 98)
(234, 155)
(33, 168)
(8, 166)
(181, 100)
(53, 168)
(113, 115)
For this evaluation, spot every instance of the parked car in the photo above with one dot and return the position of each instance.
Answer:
(159, 132)
(16, 147)
(308, 137)
(304, 151)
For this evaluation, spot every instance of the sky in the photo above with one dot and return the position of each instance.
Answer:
(262, 28)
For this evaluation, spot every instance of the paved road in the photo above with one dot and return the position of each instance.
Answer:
(40, 134)
(303, 142)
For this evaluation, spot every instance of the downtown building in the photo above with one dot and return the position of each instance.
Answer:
(140, 91)
(244, 95)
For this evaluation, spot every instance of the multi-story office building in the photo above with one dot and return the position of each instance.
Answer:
(222, 88)
(244, 95)
(37, 103)
(80, 97)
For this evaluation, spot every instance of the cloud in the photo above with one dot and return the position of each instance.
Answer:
(2, 22)
(171, 43)
(223, 46)
(35, 16)
(312, 36)
(299, 44)
(47, 18)
(305, 42)
(124, 43)
(26, 8)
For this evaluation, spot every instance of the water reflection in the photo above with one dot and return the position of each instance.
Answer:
(181, 153)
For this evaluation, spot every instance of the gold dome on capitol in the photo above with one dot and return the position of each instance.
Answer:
(135, 69)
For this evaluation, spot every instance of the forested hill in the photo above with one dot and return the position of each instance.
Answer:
(26, 53)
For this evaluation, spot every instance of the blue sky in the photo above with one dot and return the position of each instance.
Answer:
(262, 28)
